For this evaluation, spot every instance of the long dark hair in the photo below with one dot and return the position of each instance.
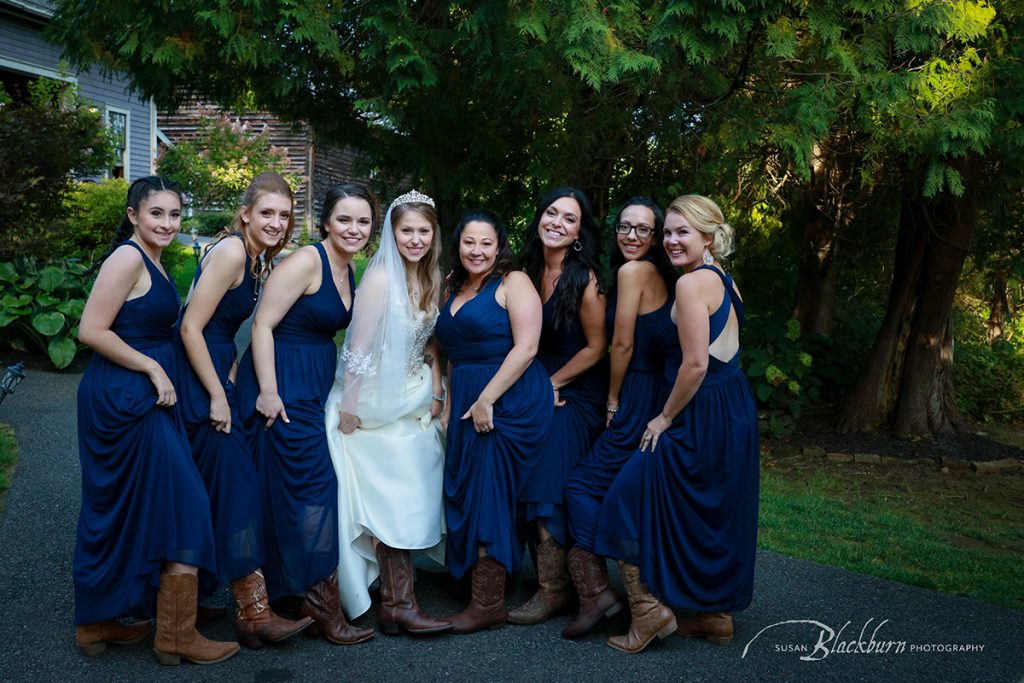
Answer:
(577, 266)
(502, 260)
(341, 191)
(655, 254)
(137, 193)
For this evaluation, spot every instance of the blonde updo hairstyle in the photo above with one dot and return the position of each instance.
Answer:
(705, 215)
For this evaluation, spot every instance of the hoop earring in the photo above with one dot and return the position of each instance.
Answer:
(577, 246)
(708, 258)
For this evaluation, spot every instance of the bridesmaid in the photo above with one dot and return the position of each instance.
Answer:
(561, 258)
(145, 517)
(291, 364)
(642, 278)
(681, 516)
(223, 296)
(498, 411)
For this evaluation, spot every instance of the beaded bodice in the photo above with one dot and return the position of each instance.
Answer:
(420, 327)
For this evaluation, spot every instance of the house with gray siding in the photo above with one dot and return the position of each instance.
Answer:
(25, 55)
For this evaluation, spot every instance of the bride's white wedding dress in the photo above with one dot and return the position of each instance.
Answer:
(390, 473)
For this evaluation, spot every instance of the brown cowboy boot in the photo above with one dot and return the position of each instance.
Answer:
(254, 619)
(92, 639)
(650, 618)
(486, 608)
(716, 627)
(398, 608)
(324, 606)
(176, 634)
(590, 576)
(553, 595)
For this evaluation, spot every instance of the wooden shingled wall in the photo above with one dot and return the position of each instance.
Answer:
(318, 166)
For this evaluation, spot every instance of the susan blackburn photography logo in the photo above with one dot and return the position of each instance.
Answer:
(824, 640)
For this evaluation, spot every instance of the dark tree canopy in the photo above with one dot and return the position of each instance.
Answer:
(791, 113)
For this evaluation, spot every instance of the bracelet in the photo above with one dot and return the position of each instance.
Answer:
(612, 410)
(438, 398)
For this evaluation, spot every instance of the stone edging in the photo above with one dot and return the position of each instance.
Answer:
(947, 463)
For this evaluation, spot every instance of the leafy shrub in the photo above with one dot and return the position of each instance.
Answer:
(41, 304)
(44, 139)
(208, 222)
(94, 210)
(779, 366)
(989, 378)
(840, 357)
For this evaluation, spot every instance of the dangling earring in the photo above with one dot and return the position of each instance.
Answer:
(576, 246)
(708, 258)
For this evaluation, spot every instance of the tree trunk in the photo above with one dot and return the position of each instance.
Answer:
(928, 399)
(871, 401)
(816, 285)
(908, 377)
(829, 206)
(999, 303)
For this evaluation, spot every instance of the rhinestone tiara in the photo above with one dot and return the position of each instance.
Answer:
(410, 197)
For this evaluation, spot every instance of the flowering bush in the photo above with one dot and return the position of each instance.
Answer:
(216, 167)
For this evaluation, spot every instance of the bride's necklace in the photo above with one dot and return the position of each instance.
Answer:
(414, 290)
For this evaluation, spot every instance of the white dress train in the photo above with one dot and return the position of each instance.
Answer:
(390, 475)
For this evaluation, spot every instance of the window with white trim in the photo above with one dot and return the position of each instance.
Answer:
(117, 123)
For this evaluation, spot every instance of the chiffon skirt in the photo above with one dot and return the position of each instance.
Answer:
(226, 464)
(143, 501)
(299, 491)
(574, 427)
(686, 513)
(485, 472)
(639, 402)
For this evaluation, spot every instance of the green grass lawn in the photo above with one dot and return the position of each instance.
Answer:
(8, 458)
(180, 263)
(959, 533)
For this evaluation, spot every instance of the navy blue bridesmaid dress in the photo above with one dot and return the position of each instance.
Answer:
(143, 501)
(639, 401)
(300, 488)
(484, 472)
(686, 513)
(573, 429)
(225, 461)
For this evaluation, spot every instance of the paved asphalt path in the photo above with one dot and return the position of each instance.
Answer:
(37, 535)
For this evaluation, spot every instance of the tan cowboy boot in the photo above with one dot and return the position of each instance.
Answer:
(92, 639)
(176, 634)
(716, 627)
(651, 619)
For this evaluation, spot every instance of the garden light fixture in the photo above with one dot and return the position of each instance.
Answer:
(11, 379)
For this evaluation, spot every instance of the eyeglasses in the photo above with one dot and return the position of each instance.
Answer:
(642, 231)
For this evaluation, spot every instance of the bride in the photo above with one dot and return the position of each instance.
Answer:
(385, 442)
